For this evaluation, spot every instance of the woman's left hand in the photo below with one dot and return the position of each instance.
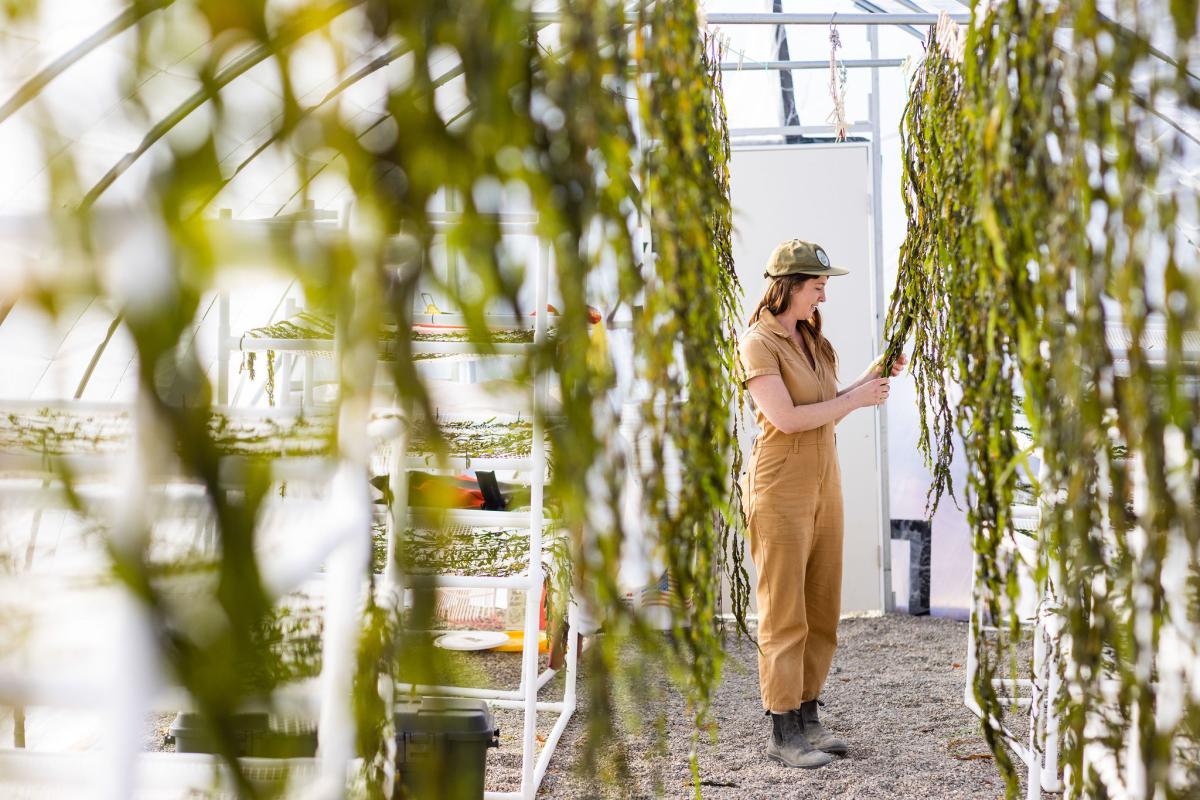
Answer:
(897, 368)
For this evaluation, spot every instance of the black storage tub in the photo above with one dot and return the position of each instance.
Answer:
(441, 748)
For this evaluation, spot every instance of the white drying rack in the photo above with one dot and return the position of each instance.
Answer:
(525, 697)
(344, 548)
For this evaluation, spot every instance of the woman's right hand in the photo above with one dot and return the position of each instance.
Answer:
(872, 393)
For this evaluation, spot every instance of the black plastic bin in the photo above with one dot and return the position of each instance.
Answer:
(441, 748)
(254, 737)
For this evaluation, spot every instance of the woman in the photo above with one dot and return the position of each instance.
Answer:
(793, 495)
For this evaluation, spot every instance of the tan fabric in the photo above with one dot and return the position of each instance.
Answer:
(793, 499)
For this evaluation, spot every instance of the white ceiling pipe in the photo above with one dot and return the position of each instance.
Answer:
(858, 63)
(831, 19)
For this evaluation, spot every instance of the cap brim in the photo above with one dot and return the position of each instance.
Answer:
(816, 272)
(821, 272)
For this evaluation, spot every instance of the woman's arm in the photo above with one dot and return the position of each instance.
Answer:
(772, 398)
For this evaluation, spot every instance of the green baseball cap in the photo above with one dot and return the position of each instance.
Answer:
(797, 257)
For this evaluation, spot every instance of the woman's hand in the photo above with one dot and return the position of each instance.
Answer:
(871, 393)
(876, 368)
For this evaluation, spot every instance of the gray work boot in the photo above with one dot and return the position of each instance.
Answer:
(815, 732)
(788, 745)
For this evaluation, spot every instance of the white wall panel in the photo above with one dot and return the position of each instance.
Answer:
(820, 193)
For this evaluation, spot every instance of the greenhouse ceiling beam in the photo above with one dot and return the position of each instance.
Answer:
(774, 65)
(884, 18)
(42, 78)
(283, 41)
(910, 30)
(801, 130)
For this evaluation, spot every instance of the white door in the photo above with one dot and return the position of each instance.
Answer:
(821, 193)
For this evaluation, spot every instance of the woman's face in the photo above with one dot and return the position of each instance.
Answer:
(809, 296)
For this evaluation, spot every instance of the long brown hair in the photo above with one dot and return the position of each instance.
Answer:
(778, 297)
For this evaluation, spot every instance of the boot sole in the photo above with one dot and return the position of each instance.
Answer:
(775, 757)
(835, 751)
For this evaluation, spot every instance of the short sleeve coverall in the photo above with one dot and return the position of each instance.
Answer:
(792, 495)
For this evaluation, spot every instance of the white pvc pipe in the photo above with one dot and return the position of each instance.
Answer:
(1035, 705)
(849, 63)
(344, 572)
(568, 703)
(459, 463)
(877, 292)
(519, 705)
(309, 380)
(469, 348)
(1050, 780)
(831, 19)
(573, 639)
(283, 386)
(436, 517)
(134, 657)
(556, 732)
(397, 518)
(524, 582)
(223, 351)
(254, 344)
(533, 597)
(467, 691)
(62, 689)
(232, 470)
(169, 774)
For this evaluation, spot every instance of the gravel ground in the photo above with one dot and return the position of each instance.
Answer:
(895, 695)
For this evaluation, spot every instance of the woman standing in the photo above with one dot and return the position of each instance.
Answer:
(793, 495)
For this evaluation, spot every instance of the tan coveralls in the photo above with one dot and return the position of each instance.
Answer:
(793, 500)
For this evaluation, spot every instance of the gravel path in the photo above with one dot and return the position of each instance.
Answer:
(895, 696)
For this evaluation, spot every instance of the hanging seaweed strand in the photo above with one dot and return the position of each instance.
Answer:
(553, 121)
(686, 334)
(1044, 273)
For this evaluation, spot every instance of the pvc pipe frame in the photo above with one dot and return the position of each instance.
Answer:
(525, 697)
(506, 695)
(531, 772)
(1040, 755)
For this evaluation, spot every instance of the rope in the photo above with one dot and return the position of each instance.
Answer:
(837, 85)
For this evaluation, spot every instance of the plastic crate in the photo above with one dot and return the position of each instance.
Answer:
(256, 735)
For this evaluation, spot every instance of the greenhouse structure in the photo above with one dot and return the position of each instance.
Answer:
(491, 399)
